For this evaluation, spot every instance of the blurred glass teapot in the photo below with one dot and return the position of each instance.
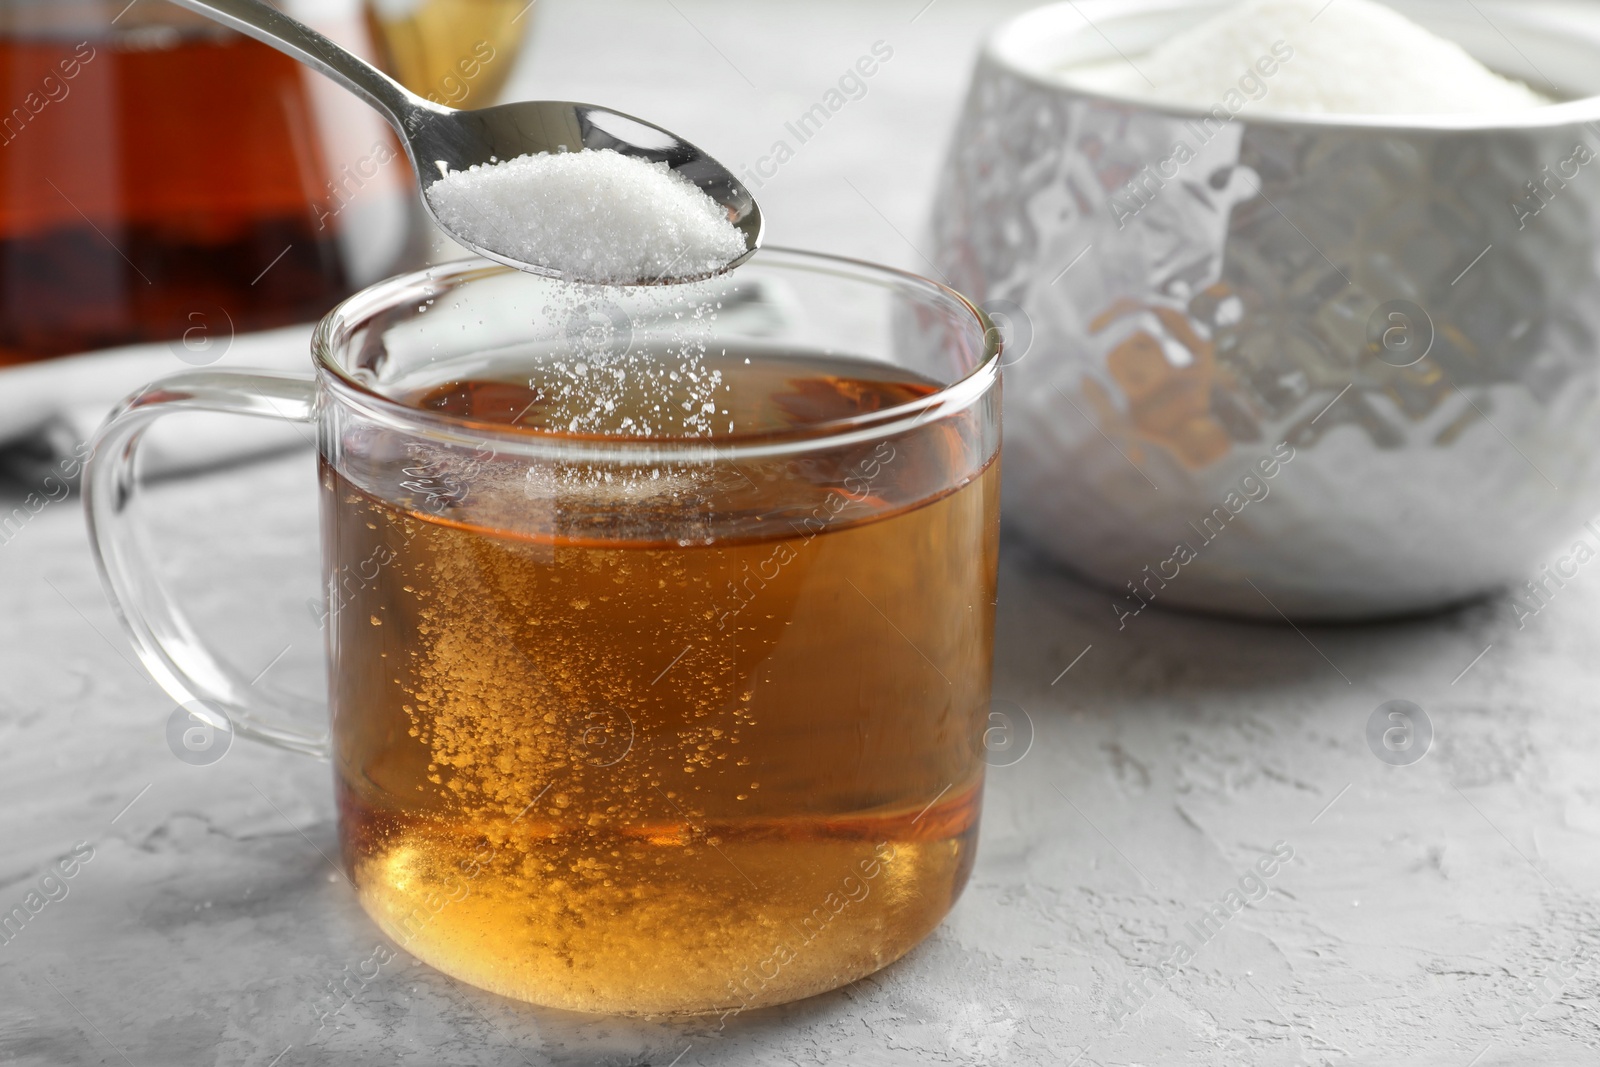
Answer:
(160, 176)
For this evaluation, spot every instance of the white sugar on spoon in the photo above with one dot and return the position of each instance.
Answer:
(595, 216)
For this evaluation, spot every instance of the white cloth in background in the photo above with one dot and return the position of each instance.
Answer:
(49, 407)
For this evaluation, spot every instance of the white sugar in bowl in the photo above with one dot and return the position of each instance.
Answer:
(1333, 367)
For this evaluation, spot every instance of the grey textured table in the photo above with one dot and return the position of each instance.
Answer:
(1439, 913)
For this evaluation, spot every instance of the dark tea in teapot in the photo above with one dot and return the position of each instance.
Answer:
(159, 175)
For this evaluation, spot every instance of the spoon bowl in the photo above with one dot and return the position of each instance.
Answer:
(445, 140)
(440, 140)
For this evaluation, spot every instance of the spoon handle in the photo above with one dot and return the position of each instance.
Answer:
(270, 26)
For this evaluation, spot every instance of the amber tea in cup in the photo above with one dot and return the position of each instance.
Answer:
(660, 623)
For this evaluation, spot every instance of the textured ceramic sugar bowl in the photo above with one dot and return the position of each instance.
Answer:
(1337, 368)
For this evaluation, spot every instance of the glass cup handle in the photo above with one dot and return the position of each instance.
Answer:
(166, 642)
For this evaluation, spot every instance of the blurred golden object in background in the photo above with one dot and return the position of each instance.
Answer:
(454, 52)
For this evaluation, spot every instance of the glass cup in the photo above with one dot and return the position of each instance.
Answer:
(680, 718)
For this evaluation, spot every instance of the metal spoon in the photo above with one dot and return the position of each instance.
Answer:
(440, 139)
